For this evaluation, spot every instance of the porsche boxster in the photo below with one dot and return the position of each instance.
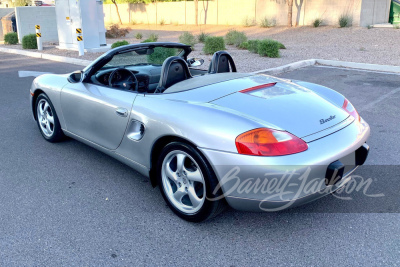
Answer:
(208, 137)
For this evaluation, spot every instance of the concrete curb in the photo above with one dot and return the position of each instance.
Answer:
(69, 60)
(330, 63)
(288, 67)
(360, 66)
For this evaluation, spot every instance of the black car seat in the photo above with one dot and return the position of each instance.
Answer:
(174, 70)
(222, 62)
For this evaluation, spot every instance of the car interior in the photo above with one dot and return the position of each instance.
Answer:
(155, 70)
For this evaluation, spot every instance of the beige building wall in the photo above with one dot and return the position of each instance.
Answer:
(234, 12)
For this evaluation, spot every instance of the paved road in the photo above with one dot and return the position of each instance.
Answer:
(67, 204)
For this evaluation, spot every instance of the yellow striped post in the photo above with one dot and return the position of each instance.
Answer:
(38, 37)
(79, 38)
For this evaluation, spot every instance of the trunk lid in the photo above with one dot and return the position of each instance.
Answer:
(287, 106)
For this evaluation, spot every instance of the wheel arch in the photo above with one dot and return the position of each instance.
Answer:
(34, 98)
(156, 149)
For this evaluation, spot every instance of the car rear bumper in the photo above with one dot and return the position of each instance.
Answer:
(254, 183)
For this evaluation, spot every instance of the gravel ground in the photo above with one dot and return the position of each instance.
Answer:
(375, 46)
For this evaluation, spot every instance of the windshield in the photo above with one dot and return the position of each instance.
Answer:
(147, 56)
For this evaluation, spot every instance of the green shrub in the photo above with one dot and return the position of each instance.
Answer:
(249, 22)
(187, 38)
(236, 38)
(11, 38)
(317, 22)
(244, 45)
(134, 22)
(214, 44)
(119, 43)
(29, 41)
(345, 20)
(160, 54)
(202, 37)
(396, 27)
(268, 48)
(281, 46)
(139, 36)
(267, 23)
(253, 46)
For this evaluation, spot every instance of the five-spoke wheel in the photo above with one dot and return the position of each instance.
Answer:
(183, 181)
(188, 183)
(47, 119)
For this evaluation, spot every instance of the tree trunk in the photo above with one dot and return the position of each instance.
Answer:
(205, 8)
(116, 6)
(196, 11)
(290, 13)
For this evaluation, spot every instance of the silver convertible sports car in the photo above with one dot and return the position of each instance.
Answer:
(208, 139)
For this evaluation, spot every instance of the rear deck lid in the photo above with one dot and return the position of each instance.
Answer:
(288, 106)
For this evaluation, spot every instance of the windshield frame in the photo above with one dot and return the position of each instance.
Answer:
(101, 61)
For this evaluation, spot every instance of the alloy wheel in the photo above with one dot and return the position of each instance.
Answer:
(183, 182)
(45, 118)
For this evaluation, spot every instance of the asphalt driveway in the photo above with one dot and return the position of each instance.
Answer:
(67, 204)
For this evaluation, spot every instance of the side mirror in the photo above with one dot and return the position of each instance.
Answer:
(195, 62)
(76, 76)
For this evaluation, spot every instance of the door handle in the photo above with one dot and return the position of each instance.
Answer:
(123, 112)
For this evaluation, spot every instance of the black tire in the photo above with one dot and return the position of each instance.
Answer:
(210, 207)
(57, 134)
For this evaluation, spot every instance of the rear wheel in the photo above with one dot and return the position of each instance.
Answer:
(47, 120)
(187, 183)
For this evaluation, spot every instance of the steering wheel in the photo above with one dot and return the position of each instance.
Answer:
(127, 80)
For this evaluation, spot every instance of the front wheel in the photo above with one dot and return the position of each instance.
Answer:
(187, 183)
(47, 120)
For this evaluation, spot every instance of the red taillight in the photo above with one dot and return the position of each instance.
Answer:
(268, 142)
(351, 109)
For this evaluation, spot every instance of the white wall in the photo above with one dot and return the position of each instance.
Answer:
(375, 12)
(28, 17)
(5, 11)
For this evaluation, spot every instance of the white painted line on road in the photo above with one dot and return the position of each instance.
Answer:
(24, 73)
(379, 99)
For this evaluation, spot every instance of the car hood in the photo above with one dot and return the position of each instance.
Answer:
(288, 106)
